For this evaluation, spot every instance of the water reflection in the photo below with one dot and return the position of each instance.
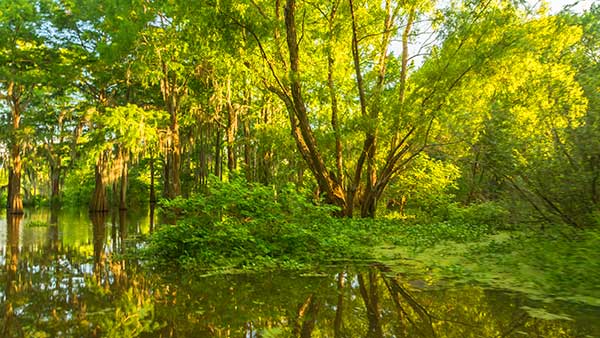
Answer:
(53, 238)
(352, 303)
(68, 282)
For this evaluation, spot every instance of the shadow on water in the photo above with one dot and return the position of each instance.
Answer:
(60, 277)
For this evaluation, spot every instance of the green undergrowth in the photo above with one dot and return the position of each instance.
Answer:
(239, 226)
(242, 225)
(546, 265)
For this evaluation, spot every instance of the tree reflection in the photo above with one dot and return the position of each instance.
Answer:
(152, 207)
(306, 317)
(122, 230)
(99, 233)
(10, 320)
(53, 238)
(83, 290)
(378, 305)
(339, 309)
(401, 299)
(370, 297)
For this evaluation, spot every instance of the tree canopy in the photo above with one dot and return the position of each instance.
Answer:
(365, 105)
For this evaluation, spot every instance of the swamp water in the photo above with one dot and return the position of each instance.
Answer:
(59, 277)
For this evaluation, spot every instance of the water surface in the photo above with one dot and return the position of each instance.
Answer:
(59, 276)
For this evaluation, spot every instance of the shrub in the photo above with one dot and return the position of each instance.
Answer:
(487, 213)
(243, 224)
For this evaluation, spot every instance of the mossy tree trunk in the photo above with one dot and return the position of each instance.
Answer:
(99, 202)
(152, 188)
(55, 172)
(15, 200)
(124, 178)
(232, 127)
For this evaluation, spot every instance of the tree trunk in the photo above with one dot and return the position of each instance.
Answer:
(152, 188)
(55, 183)
(232, 126)
(247, 151)
(176, 160)
(15, 200)
(171, 95)
(167, 186)
(371, 174)
(265, 166)
(339, 310)
(368, 206)
(175, 165)
(218, 159)
(123, 186)
(30, 188)
(301, 127)
(203, 165)
(99, 202)
(265, 154)
(339, 161)
(186, 170)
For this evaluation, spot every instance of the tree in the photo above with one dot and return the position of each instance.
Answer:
(167, 60)
(101, 37)
(130, 132)
(382, 110)
(527, 145)
(24, 59)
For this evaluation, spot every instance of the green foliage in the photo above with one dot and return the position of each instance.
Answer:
(556, 263)
(242, 224)
(420, 237)
(537, 142)
(138, 187)
(489, 214)
(78, 187)
(428, 185)
(449, 222)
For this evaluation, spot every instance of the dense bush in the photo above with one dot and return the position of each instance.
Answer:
(242, 224)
